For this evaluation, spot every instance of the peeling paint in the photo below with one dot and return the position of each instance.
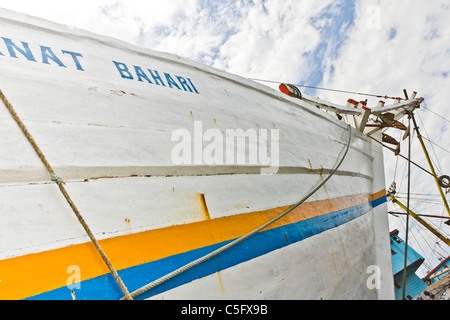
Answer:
(128, 225)
(191, 207)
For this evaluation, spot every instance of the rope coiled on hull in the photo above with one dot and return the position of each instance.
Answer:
(239, 240)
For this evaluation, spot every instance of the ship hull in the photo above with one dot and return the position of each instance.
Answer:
(105, 113)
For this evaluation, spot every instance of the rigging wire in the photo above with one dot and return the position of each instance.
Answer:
(422, 198)
(333, 90)
(397, 158)
(446, 150)
(362, 94)
(419, 243)
(427, 239)
(350, 92)
(421, 194)
(432, 148)
(433, 252)
(218, 251)
(436, 113)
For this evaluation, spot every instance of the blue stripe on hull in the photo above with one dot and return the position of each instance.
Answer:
(105, 287)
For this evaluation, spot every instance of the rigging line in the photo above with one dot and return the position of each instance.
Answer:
(428, 204)
(403, 224)
(415, 208)
(400, 155)
(403, 175)
(433, 224)
(435, 113)
(334, 90)
(437, 179)
(421, 215)
(419, 243)
(435, 252)
(444, 218)
(426, 239)
(396, 161)
(446, 150)
(419, 202)
(428, 138)
(428, 197)
(421, 194)
(421, 198)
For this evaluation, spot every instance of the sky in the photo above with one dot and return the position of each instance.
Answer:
(370, 46)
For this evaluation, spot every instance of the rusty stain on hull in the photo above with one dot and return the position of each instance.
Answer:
(324, 186)
(204, 206)
(222, 288)
(128, 225)
(191, 206)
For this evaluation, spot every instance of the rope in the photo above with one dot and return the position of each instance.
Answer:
(436, 113)
(235, 242)
(402, 156)
(63, 190)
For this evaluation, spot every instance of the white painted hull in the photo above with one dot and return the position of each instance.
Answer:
(293, 272)
(109, 138)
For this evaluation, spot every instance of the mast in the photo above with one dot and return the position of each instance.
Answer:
(407, 208)
(431, 165)
(420, 220)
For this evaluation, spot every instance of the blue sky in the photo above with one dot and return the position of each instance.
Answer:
(373, 46)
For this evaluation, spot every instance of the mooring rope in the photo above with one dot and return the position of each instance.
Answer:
(235, 242)
(55, 178)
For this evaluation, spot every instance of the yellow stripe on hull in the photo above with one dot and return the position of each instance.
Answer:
(32, 274)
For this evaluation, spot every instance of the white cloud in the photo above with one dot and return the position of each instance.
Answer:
(272, 39)
(261, 39)
(76, 13)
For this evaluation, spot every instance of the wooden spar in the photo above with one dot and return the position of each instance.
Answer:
(421, 221)
(431, 165)
(420, 215)
(437, 274)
